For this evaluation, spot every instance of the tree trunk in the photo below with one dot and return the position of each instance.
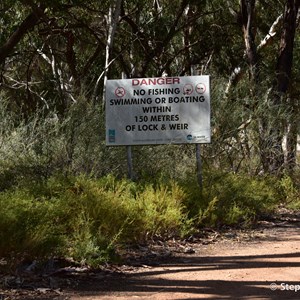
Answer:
(247, 13)
(113, 18)
(281, 85)
(31, 20)
(292, 128)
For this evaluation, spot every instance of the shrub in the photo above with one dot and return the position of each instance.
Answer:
(161, 210)
(232, 199)
(86, 218)
(27, 225)
(290, 190)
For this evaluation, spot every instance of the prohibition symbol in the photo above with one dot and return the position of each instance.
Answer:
(200, 88)
(187, 89)
(120, 92)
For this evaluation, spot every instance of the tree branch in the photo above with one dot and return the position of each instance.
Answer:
(238, 72)
(31, 20)
(159, 48)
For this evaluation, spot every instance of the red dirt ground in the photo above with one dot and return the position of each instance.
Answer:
(256, 264)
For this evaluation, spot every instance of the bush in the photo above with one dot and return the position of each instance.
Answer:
(290, 189)
(86, 218)
(232, 199)
(47, 143)
(161, 211)
(29, 226)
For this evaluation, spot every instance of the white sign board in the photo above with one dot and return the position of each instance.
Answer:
(163, 110)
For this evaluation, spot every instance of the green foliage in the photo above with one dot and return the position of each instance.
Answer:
(162, 210)
(290, 190)
(88, 219)
(54, 75)
(85, 218)
(74, 144)
(52, 122)
(26, 225)
(232, 199)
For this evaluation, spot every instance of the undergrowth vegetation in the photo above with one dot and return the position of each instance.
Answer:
(63, 192)
(231, 199)
(86, 218)
(89, 219)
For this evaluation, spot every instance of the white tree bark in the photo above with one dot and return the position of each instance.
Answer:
(238, 72)
(64, 87)
(112, 22)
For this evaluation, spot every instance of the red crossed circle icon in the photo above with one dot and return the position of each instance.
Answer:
(120, 92)
(188, 89)
(200, 88)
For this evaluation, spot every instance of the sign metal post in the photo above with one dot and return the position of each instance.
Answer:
(198, 151)
(128, 147)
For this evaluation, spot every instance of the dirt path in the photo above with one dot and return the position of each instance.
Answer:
(259, 264)
(216, 272)
(267, 266)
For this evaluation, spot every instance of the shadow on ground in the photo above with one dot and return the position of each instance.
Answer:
(185, 276)
(152, 282)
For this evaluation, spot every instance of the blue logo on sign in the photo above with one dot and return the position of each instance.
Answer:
(112, 135)
(189, 137)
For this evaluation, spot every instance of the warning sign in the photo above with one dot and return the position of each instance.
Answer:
(162, 110)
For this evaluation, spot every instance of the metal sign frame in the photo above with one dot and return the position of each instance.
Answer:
(163, 110)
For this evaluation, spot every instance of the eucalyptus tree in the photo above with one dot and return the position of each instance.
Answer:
(282, 85)
(269, 36)
(50, 50)
(53, 52)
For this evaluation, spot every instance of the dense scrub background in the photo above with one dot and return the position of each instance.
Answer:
(64, 193)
